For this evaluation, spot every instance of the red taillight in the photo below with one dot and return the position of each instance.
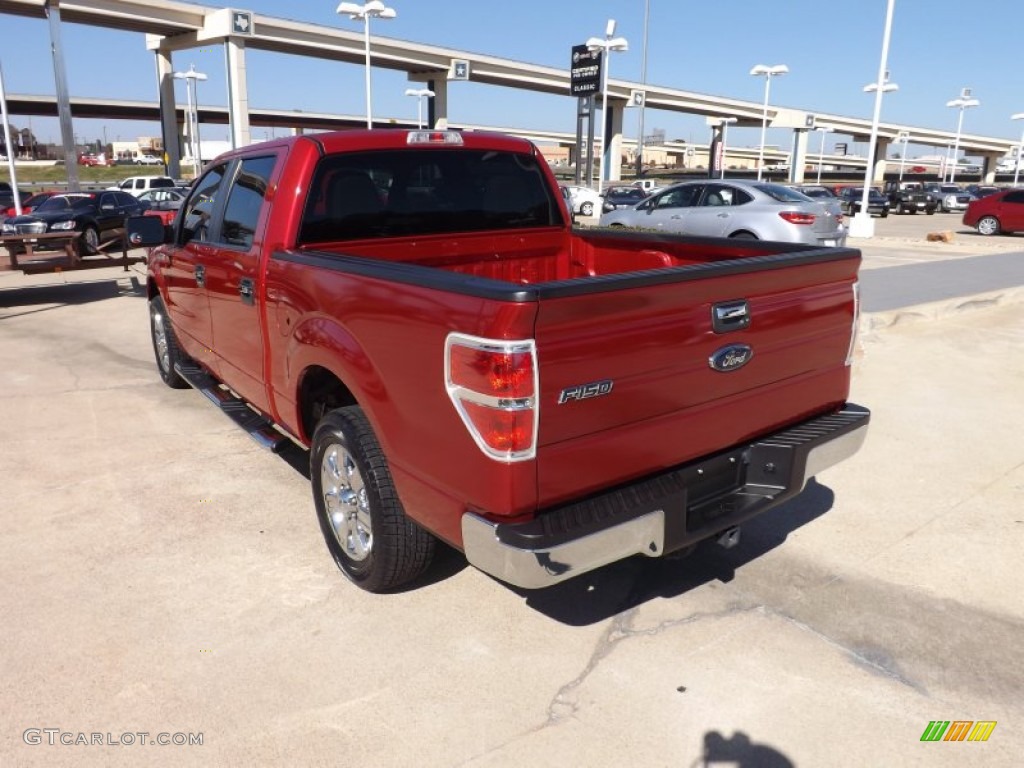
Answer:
(795, 217)
(506, 432)
(493, 384)
(497, 373)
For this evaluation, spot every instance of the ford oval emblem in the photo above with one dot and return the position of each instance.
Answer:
(731, 358)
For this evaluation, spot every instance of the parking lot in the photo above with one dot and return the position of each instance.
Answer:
(165, 575)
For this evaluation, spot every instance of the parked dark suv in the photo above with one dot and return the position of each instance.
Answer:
(909, 197)
(850, 199)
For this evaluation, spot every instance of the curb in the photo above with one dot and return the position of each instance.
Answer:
(877, 321)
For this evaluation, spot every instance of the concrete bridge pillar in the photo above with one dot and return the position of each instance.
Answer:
(798, 156)
(611, 142)
(170, 127)
(238, 93)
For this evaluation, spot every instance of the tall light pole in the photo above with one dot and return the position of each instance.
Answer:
(904, 138)
(192, 94)
(1020, 149)
(821, 149)
(724, 124)
(643, 104)
(375, 9)
(8, 146)
(763, 70)
(606, 46)
(861, 225)
(964, 102)
(420, 94)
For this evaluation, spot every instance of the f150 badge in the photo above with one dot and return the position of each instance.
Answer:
(731, 358)
(585, 391)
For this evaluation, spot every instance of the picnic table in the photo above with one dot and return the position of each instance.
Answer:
(59, 251)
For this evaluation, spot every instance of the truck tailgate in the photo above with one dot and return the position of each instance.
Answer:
(626, 376)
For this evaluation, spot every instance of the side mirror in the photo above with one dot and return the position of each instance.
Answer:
(146, 231)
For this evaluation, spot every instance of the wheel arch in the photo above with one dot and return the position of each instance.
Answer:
(319, 391)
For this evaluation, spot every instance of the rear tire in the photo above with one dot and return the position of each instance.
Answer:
(165, 345)
(988, 225)
(743, 236)
(587, 209)
(364, 525)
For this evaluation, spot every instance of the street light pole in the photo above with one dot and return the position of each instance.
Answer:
(420, 94)
(376, 9)
(763, 70)
(643, 104)
(192, 94)
(964, 102)
(821, 149)
(606, 46)
(861, 225)
(1020, 149)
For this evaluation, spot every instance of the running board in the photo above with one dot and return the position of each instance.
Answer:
(236, 409)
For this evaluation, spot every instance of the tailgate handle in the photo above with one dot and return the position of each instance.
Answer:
(730, 316)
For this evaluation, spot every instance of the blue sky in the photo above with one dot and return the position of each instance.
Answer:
(832, 50)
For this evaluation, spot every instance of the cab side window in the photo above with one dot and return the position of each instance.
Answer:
(198, 209)
(245, 201)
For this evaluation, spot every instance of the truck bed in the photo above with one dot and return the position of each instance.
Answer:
(539, 257)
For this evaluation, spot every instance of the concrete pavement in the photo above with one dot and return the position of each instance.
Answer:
(165, 575)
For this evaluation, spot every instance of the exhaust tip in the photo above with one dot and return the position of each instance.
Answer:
(729, 538)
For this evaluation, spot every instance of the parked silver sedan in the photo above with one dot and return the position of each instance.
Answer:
(752, 210)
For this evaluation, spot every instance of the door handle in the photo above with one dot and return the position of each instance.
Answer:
(676, 216)
(200, 275)
(730, 316)
(723, 215)
(247, 290)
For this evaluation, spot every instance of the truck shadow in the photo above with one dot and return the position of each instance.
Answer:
(48, 297)
(608, 591)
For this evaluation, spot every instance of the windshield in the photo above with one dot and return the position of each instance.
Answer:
(65, 203)
(949, 188)
(781, 193)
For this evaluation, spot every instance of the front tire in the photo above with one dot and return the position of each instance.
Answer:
(90, 243)
(988, 225)
(165, 345)
(366, 529)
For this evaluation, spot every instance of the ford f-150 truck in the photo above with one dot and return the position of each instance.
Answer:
(416, 308)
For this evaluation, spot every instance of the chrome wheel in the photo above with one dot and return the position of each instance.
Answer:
(346, 501)
(91, 239)
(988, 225)
(163, 353)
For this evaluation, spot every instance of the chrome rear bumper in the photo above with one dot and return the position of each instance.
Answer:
(662, 514)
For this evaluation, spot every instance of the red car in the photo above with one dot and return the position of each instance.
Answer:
(29, 203)
(1001, 213)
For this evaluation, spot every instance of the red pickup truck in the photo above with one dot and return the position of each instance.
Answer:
(417, 309)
